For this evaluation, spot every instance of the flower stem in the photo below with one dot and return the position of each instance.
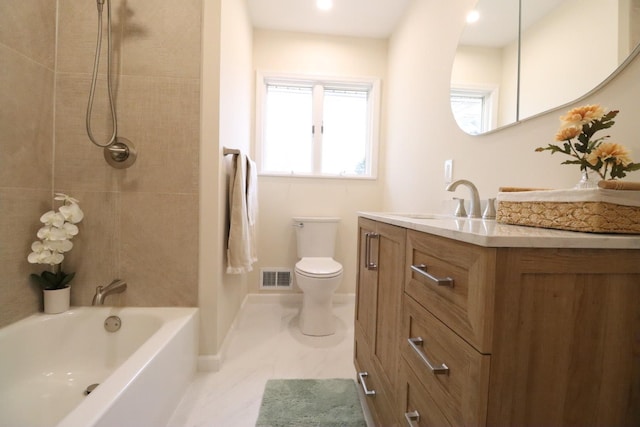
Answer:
(577, 156)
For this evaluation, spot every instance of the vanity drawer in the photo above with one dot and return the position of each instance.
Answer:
(418, 408)
(454, 281)
(453, 374)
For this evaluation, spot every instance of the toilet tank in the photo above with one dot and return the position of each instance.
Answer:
(316, 236)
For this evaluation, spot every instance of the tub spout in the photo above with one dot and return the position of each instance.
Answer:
(115, 287)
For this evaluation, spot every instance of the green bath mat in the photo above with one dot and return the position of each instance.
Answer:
(319, 403)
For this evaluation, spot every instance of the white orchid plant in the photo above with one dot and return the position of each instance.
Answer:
(54, 240)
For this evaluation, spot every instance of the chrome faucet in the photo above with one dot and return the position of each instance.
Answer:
(115, 287)
(474, 208)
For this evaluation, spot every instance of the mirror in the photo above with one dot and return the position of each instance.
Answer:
(506, 71)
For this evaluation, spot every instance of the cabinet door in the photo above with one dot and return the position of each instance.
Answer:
(378, 305)
(367, 281)
(567, 338)
(377, 398)
(385, 349)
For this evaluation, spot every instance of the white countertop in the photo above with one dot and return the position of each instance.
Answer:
(490, 233)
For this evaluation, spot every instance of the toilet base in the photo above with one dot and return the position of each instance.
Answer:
(316, 317)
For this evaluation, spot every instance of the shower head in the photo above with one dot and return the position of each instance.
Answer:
(99, 3)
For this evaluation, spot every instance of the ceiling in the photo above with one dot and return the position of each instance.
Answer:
(357, 18)
(378, 18)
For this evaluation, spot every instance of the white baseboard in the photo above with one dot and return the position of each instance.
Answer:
(213, 362)
(209, 363)
(289, 298)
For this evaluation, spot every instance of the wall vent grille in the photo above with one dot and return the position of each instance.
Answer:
(275, 278)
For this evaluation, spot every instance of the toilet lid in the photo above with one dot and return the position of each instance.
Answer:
(319, 267)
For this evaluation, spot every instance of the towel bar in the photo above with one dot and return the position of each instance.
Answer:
(226, 151)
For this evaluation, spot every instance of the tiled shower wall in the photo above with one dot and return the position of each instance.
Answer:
(141, 223)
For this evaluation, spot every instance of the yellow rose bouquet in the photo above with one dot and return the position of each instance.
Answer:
(577, 131)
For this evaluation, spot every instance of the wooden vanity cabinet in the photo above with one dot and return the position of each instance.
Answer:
(529, 336)
(377, 320)
(544, 336)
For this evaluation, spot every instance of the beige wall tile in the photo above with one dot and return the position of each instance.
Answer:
(29, 27)
(159, 248)
(26, 122)
(141, 223)
(78, 32)
(20, 213)
(161, 117)
(94, 257)
(162, 38)
(79, 164)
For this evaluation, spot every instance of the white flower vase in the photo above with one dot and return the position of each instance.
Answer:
(587, 181)
(57, 300)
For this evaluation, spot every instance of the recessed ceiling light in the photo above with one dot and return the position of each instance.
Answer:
(324, 4)
(473, 16)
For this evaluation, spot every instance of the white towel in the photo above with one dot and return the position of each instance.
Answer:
(252, 206)
(241, 251)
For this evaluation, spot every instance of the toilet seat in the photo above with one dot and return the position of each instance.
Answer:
(319, 267)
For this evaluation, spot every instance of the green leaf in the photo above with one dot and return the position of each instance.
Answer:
(617, 171)
(49, 276)
(67, 278)
(572, 162)
(620, 171)
(555, 149)
(39, 281)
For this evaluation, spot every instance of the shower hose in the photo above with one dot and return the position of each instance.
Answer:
(94, 78)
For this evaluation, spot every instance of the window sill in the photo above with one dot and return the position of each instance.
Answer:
(312, 176)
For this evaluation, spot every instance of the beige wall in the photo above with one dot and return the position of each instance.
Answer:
(141, 224)
(27, 46)
(422, 133)
(281, 198)
(227, 90)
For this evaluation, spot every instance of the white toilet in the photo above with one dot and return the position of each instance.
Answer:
(317, 273)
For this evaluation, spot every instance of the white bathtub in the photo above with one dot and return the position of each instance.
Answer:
(47, 362)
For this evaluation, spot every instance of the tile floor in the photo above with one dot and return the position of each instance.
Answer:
(266, 343)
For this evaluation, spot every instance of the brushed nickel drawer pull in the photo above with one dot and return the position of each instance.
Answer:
(414, 343)
(413, 418)
(422, 269)
(367, 251)
(367, 392)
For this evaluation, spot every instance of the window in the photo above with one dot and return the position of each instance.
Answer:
(473, 109)
(317, 127)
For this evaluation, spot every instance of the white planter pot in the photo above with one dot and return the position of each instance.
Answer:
(57, 300)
